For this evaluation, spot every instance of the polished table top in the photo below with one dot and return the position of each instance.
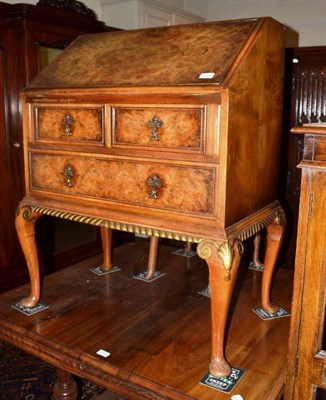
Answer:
(157, 333)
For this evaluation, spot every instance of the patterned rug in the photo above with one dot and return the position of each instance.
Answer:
(24, 377)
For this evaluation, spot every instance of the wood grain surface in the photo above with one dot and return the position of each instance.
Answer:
(97, 60)
(87, 123)
(180, 127)
(182, 188)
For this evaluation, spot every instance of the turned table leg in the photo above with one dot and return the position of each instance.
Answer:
(223, 260)
(25, 223)
(65, 387)
(275, 234)
(106, 236)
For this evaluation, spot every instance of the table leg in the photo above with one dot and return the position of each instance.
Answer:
(223, 260)
(152, 257)
(65, 387)
(188, 247)
(106, 236)
(25, 223)
(255, 258)
(275, 234)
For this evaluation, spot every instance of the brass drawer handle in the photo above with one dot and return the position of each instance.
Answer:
(68, 121)
(154, 183)
(69, 173)
(155, 124)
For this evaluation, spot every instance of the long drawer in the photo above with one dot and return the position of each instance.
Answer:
(167, 186)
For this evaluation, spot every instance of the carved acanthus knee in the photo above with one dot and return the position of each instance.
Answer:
(27, 212)
(225, 251)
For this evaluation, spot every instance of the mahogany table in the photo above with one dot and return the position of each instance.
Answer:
(157, 333)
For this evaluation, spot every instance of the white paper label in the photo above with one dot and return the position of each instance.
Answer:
(207, 75)
(103, 353)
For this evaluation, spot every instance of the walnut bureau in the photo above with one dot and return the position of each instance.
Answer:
(173, 132)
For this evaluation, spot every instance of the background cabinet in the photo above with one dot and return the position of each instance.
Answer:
(307, 350)
(305, 102)
(28, 36)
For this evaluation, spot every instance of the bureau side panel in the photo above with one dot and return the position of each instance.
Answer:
(254, 136)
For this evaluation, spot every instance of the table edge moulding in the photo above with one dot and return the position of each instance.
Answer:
(207, 173)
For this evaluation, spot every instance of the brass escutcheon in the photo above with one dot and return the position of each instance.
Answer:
(68, 121)
(69, 173)
(154, 183)
(155, 124)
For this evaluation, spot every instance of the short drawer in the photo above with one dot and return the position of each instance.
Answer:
(167, 186)
(69, 124)
(162, 127)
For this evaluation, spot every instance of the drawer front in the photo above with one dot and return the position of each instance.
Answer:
(160, 127)
(165, 186)
(69, 124)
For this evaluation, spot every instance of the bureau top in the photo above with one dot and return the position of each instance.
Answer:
(193, 54)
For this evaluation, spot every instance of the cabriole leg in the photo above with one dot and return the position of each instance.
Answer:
(152, 257)
(256, 263)
(223, 261)
(25, 223)
(275, 234)
(106, 236)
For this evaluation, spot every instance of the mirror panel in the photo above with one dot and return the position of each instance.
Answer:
(47, 55)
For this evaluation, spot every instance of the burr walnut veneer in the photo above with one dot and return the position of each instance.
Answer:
(173, 132)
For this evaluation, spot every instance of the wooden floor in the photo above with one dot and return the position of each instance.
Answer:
(158, 334)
